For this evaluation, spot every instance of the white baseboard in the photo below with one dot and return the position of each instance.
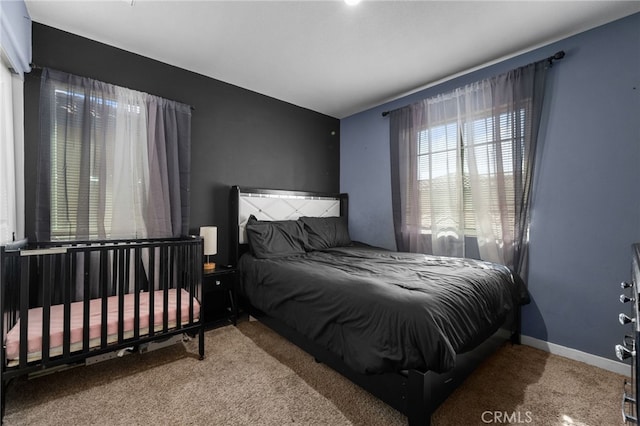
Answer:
(597, 361)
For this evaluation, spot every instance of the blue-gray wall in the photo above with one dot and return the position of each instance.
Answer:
(586, 209)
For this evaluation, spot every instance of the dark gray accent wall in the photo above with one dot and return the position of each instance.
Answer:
(239, 137)
(586, 207)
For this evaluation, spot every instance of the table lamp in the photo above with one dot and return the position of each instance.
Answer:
(210, 236)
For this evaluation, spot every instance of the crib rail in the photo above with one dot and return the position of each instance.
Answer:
(89, 277)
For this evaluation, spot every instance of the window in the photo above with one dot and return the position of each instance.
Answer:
(73, 185)
(462, 164)
(444, 155)
(113, 163)
(11, 165)
(66, 153)
(439, 171)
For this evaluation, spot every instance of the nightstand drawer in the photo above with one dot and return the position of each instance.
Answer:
(219, 296)
(219, 283)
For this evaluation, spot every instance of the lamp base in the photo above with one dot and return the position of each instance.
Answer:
(210, 266)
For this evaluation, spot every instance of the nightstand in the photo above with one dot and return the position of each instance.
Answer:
(219, 288)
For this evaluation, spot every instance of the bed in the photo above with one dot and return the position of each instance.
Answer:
(67, 303)
(407, 327)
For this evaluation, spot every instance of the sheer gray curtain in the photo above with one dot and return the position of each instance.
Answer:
(462, 165)
(427, 183)
(113, 162)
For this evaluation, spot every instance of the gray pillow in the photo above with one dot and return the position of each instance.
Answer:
(277, 238)
(326, 232)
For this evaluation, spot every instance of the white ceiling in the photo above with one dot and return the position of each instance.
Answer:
(325, 55)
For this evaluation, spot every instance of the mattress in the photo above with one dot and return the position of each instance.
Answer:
(56, 334)
(383, 311)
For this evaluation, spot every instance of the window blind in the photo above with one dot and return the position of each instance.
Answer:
(443, 155)
(71, 185)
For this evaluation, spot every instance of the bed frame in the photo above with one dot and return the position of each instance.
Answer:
(79, 274)
(415, 393)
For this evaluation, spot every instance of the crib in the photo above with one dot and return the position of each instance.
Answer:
(66, 303)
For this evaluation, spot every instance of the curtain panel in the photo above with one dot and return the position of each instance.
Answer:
(462, 164)
(113, 162)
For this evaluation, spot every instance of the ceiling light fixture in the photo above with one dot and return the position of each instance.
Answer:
(352, 2)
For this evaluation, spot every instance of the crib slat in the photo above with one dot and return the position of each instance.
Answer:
(173, 280)
(86, 297)
(127, 270)
(196, 278)
(4, 266)
(165, 287)
(194, 256)
(188, 282)
(46, 280)
(103, 281)
(152, 284)
(136, 291)
(178, 283)
(192, 279)
(187, 278)
(66, 280)
(122, 271)
(5, 271)
(24, 310)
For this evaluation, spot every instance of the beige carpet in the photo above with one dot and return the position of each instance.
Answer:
(236, 384)
(535, 387)
(517, 385)
(251, 376)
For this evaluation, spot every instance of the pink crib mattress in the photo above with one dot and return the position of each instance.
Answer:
(56, 333)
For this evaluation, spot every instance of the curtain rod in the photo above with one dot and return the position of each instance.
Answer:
(40, 68)
(556, 57)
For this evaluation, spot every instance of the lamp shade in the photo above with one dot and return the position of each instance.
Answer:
(210, 236)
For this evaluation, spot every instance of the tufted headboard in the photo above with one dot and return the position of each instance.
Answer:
(270, 204)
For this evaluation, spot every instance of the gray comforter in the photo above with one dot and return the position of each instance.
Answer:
(384, 311)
